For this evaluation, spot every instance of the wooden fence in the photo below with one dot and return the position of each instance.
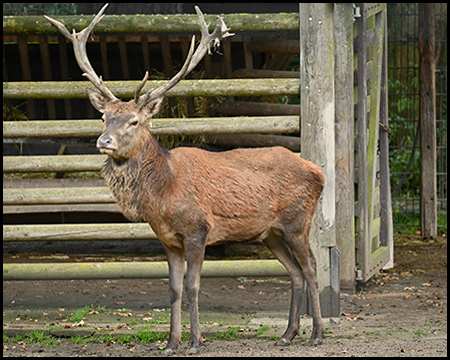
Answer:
(339, 123)
(51, 195)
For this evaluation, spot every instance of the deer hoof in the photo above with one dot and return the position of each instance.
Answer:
(192, 351)
(283, 342)
(169, 352)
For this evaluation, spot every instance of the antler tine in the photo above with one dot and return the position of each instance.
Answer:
(155, 93)
(79, 45)
(139, 88)
(208, 40)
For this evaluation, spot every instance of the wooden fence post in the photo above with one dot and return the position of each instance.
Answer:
(317, 134)
(344, 143)
(427, 106)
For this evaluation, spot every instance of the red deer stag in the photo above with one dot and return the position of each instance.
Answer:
(193, 198)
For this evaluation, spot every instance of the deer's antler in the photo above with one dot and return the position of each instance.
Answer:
(79, 45)
(208, 40)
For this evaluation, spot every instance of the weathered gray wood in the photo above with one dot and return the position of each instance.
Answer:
(49, 163)
(77, 232)
(43, 196)
(362, 223)
(373, 253)
(125, 89)
(344, 141)
(187, 126)
(317, 124)
(62, 208)
(51, 183)
(427, 108)
(151, 23)
(386, 225)
(138, 270)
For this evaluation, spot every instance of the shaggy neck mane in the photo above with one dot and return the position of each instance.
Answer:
(138, 181)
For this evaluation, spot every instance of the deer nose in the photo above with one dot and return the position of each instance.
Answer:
(104, 142)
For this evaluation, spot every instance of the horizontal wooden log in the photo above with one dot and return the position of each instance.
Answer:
(151, 23)
(253, 108)
(187, 126)
(62, 208)
(57, 163)
(138, 270)
(125, 89)
(78, 232)
(81, 195)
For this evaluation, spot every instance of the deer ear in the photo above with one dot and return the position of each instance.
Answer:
(98, 100)
(153, 107)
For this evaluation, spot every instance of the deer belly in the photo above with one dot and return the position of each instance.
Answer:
(238, 229)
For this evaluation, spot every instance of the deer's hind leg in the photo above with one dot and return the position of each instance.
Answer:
(301, 249)
(284, 254)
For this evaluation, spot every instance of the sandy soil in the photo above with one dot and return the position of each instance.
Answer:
(402, 312)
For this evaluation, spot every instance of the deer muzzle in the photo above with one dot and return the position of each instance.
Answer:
(106, 145)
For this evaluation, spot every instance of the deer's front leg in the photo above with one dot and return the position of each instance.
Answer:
(195, 252)
(175, 258)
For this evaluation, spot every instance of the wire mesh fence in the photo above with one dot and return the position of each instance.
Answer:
(404, 113)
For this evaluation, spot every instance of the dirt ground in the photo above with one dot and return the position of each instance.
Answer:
(402, 312)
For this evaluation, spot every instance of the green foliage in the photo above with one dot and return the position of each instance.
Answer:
(403, 120)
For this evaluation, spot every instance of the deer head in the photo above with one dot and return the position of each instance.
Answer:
(123, 120)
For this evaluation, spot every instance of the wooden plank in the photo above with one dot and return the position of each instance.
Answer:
(64, 65)
(104, 57)
(151, 23)
(386, 226)
(427, 109)
(51, 183)
(275, 46)
(22, 45)
(81, 195)
(317, 135)
(138, 270)
(344, 143)
(125, 89)
(47, 73)
(124, 58)
(362, 223)
(47, 163)
(61, 208)
(76, 232)
(190, 126)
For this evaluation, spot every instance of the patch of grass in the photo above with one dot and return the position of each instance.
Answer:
(34, 337)
(229, 335)
(262, 329)
(80, 314)
(149, 336)
(162, 319)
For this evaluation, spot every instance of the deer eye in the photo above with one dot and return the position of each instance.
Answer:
(134, 123)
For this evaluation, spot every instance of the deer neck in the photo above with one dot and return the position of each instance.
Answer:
(138, 183)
